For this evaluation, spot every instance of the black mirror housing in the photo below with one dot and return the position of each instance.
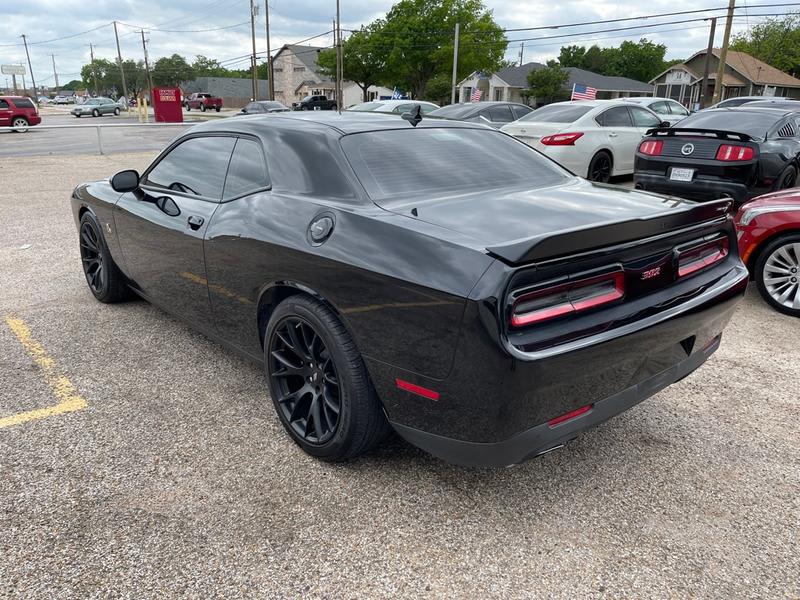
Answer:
(665, 124)
(125, 181)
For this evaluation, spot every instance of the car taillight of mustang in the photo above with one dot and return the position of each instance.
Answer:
(435, 278)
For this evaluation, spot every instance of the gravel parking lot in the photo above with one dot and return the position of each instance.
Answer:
(170, 475)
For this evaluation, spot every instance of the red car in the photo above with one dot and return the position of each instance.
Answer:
(19, 112)
(768, 228)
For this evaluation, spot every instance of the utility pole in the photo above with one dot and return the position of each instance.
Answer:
(271, 86)
(94, 73)
(119, 60)
(704, 99)
(339, 59)
(30, 68)
(55, 73)
(253, 10)
(521, 52)
(455, 65)
(147, 66)
(723, 54)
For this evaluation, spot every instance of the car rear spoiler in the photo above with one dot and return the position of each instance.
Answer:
(718, 133)
(584, 239)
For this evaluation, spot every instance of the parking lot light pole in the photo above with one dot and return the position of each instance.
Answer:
(30, 68)
(270, 85)
(455, 66)
(253, 36)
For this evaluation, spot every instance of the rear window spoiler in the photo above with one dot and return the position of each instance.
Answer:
(717, 133)
(584, 239)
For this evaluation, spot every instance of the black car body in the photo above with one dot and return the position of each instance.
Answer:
(738, 153)
(495, 322)
(315, 103)
(492, 113)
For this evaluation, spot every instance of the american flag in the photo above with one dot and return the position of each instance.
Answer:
(475, 96)
(583, 92)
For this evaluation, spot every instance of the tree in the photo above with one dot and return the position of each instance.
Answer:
(172, 71)
(547, 83)
(642, 60)
(363, 58)
(102, 70)
(73, 85)
(439, 89)
(775, 41)
(208, 67)
(417, 34)
(572, 56)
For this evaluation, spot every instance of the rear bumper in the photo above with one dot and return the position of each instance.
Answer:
(34, 119)
(699, 189)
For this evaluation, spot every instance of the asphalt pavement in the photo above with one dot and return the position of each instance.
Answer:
(138, 459)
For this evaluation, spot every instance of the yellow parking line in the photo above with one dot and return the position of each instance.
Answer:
(65, 392)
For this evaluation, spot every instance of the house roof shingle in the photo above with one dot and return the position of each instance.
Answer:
(518, 77)
(756, 70)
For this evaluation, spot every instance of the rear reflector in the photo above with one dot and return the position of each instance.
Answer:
(732, 152)
(651, 147)
(700, 257)
(570, 415)
(561, 139)
(417, 389)
(567, 298)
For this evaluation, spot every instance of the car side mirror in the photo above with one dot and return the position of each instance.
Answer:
(665, 124)
(244, 111)
(125, 181)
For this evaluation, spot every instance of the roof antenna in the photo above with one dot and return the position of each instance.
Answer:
(415, 116)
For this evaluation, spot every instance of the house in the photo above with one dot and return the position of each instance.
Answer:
(295, 71)
(352, 94)
(744, 75)
(509, 84)
(235, 92)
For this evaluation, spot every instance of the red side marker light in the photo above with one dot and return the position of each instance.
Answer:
(417, 389)
(570, 415)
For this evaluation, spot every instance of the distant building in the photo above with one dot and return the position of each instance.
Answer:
(295, 71)
(234, 91)
(744, 75)
(352, 94)
(509, 84)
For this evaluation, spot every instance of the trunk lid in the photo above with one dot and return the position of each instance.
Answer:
(532, 132)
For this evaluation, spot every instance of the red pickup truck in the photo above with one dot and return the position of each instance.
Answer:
(203, 102)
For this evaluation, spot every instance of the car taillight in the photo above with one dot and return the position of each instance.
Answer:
(695, 259)
(651, 147)
(561, 139)
(567, 298)
(731, 152)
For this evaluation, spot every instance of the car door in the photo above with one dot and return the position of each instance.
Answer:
(161, 225)
(5, 113)
(621, 136)
(678, 112)
(520, 111)
(661, 108)
(496, 116)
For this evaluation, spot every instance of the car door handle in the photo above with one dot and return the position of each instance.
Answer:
(195, 222)
(613, 135)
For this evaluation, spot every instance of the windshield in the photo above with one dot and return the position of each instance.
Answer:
(270, 105)
(403, 163)
(557, 113)
(454, 111)
(366, 106)
(754, 124)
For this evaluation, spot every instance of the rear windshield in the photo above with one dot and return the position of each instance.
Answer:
(23, 103)
(366, 106)
(557, 113)
(454, 111)
(426, 162)
(754, 124)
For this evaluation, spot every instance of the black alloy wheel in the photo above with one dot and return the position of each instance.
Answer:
(600, 168)
(92, 258)
(788, 179)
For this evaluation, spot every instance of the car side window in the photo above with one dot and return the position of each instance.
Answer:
(196, 167)
(678, 109)
(402, 108)
(643, 118)
(3, 104)
(520, 111)
(252, 107)
(661, 108)
(248, 170)
(615, 117)
(499, 114)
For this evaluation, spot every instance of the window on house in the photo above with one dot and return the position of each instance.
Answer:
(299, 69)
(277, 70)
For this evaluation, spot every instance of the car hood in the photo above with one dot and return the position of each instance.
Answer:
(788, 198)
(503, 217)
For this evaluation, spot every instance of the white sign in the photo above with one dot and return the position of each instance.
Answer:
(678, 78)
(769, 91)
(12, 69)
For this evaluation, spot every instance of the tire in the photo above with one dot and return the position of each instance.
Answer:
(116, 112)
(188, 108)
(95, 113)
(313, 368)
(77, 116)
(218, 108)
(20, 124)
(787, 179)
(105, 280)
(202, 108)
(600, 167)
(303, 108)
(777, 274)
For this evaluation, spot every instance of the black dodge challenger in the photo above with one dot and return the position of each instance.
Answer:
(438, 278)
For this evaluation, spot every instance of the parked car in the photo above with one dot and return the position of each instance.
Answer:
(436, 277)
(495, 114)
(96, 107)
(60, 99)
(261, 107)
(203, 101)
(768, 228)
(315, 103)
(667, 109)
(596, 139)
(396, 107)
(18, 112)
(724, 152)
(785, 104)
(742, 100)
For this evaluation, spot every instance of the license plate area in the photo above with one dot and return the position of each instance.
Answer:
(679, 174)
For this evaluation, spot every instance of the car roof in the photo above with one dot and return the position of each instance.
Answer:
(390, 102)
(640, 99)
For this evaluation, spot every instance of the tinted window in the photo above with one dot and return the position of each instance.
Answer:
(366, 106)
(677, 109)
(23, 103)
(248, 171)
(643, 118)
(661, 108)
(615, 117)
(454, 111)
(428, 108)
(197, 166)
(520, 111)
(733, 102)
(557, 113)
(499, 114)
(755, 124)
(436, 161)
(3, 104)
(253, 107)
(402, 108)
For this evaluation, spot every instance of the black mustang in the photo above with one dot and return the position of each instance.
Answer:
(438, 278)
(738, 153)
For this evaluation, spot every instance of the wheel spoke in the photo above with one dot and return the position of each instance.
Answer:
(87, 240)
(278, 355)
(297, 344)
(316, 416)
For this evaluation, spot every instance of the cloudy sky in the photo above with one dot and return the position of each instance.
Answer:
(174, 26)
